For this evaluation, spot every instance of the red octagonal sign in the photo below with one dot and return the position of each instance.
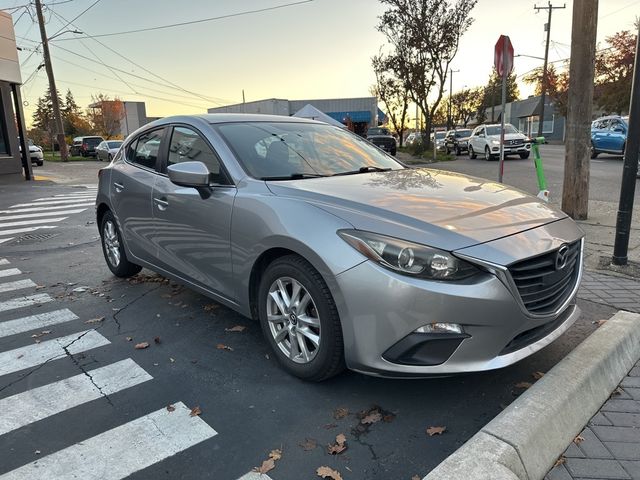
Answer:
(503, 55)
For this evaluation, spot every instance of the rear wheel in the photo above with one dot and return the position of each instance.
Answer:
(472, 153)
(594, 152)
(299, 319)
(113, 249)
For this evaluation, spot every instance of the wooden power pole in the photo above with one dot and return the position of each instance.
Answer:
(57, 116)
(575, 189)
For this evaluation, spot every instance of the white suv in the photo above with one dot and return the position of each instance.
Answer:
(485, 140)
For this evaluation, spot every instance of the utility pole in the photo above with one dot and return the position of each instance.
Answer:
(52, 85)
(575, 188)
(543, 96)
(450, 116)
(629, 170)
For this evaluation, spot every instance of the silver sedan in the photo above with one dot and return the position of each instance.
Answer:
(107, 149)
(343, 255)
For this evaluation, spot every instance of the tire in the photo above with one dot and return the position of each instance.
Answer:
(109, 158)
(524, 156)
(458, 152)
(472, 153)
(306, 361)
(447, 151)
(113, 248)
(487, 154)
(40, 163)
(594, 152)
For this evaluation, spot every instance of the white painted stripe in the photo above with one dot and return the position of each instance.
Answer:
(255, 476)
(33, 322)
(23, 230)
(32, 355)
(2, 240)
(25, 301)
(33, 221)
(17, 285)
(4, 261)
(72, 195)
(42, 214)
(40, 209)
(9, 272)
(66, 197)
(118, 453)
(53, 202)
(33, 405)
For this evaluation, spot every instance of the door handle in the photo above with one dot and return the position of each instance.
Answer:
(161, 204)
(118, 186)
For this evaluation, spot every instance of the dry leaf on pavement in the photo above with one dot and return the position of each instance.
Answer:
(237, 328)
(95, 320)
(275, 454)
(266, 466)
(523, 385)
(170, 408)
(222, 346)
(326, 472)
(141, 345)
(309, 444)
(599, 322)
(340, 412)
(431, 431)
(578, 440)
(340, 445)
(195, 411)
(373, 417)
(415, 477)
(559, 462)
(210, 307)
(537, 375)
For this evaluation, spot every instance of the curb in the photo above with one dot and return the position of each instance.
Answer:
(524, 441)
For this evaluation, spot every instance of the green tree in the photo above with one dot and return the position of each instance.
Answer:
(392, 93)
(465, 104)
(492, 95)
(614, 72)
(71, 116)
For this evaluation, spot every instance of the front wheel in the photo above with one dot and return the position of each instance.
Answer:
(594, 152)
(458, 151)
(299, 319)
(113, 249)
(472, 153)
(487, 154)
(524, 155)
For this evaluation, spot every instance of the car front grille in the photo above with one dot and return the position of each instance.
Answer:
(542, 286)
(515, 143)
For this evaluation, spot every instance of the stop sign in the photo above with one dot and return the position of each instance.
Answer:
(503, 56)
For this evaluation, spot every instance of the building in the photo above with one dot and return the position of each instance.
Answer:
(15, 163)
(121, 117)
(357, 113)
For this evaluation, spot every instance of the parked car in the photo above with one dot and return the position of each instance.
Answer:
(439, 138)
(85, 146)
(609, 135)
(381, 137)
(35, 152)
(413, 138)
(485, 140)
(107, 149)
(457, 141)
(344, 256)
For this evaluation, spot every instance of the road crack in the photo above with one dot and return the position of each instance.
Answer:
(126, 306)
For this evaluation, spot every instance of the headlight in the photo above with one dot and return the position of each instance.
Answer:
(495, 142)
(407, 257)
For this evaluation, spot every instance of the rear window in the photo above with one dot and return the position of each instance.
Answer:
(463, 133)
(93, 141)
(114, 144)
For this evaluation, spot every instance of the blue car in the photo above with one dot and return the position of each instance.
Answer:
(609, 135)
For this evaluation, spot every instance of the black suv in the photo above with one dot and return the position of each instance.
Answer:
(85, 146)
(381, 137)
(457, 141)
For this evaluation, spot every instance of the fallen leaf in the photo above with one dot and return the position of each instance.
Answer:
(95, 320)
(275, 454)
(617, 392)
(523, 385)
(578, 440)
(266, 466)
(373, 417)
(195, 411)
(222, 346)
(560, 461)
(340, 412)
(537, 375)
(38, 335)
(141, 346)
(599, 322)
(210, 307)
(79, 290)
(326, 472)
(389, 417)
(172, 360)
(308, 444)
(415, 477)
(431, 431)
(40, 287)
(156, 340)
(340, 445)
(170, 408)
(237, 328)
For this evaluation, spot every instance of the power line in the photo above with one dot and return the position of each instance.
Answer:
(76, 17)
(192, 22)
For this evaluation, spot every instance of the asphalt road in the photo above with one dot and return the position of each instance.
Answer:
(252, 405)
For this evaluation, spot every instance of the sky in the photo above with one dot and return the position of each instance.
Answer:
(314, 49)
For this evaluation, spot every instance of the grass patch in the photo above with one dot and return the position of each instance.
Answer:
(55, 157)
(419, 156)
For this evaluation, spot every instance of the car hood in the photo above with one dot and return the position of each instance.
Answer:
(509, 136)
(433, 207)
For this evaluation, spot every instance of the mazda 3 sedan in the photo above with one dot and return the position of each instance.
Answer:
(346, 257)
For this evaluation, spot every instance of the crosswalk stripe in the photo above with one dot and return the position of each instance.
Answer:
(42, 214)
(120, 452)
(39, 403)
(40, 209)
(33, 322)
(2, 240)
(26, 301)
(23, 230)
(4, 261)
(73, 197)
(9, 272)
(17, 285)
(32, 355)
(255, 476)
(53, 202)
(33, 221)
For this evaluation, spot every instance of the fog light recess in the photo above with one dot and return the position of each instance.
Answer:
(440, 328)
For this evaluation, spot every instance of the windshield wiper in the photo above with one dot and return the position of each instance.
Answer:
(368, 168)
(293, 176)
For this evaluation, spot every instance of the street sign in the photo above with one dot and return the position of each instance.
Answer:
(503, 56)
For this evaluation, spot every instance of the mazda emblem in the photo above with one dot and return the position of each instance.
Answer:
(561, 257)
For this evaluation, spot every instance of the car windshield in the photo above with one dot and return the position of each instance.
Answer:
(463, 133)
(440, 135)
(495, 129)
(114, 144)
(270, 150)
(378, 131)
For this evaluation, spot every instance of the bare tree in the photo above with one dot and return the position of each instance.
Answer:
(424, 36)
(392, 93)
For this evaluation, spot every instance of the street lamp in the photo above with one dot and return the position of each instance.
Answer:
(529, 56)
(78, 32)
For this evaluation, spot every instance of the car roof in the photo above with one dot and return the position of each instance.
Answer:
(607, 117)
(215, 118)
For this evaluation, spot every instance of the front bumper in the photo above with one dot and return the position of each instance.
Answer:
(381, 310)
(512, 149)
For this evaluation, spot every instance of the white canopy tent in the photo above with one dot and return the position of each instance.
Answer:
(311, 112)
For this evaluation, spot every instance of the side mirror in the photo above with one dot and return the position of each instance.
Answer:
(189, 174)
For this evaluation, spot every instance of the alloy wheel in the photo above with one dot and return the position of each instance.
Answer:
(294, 321)
(111, 242)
